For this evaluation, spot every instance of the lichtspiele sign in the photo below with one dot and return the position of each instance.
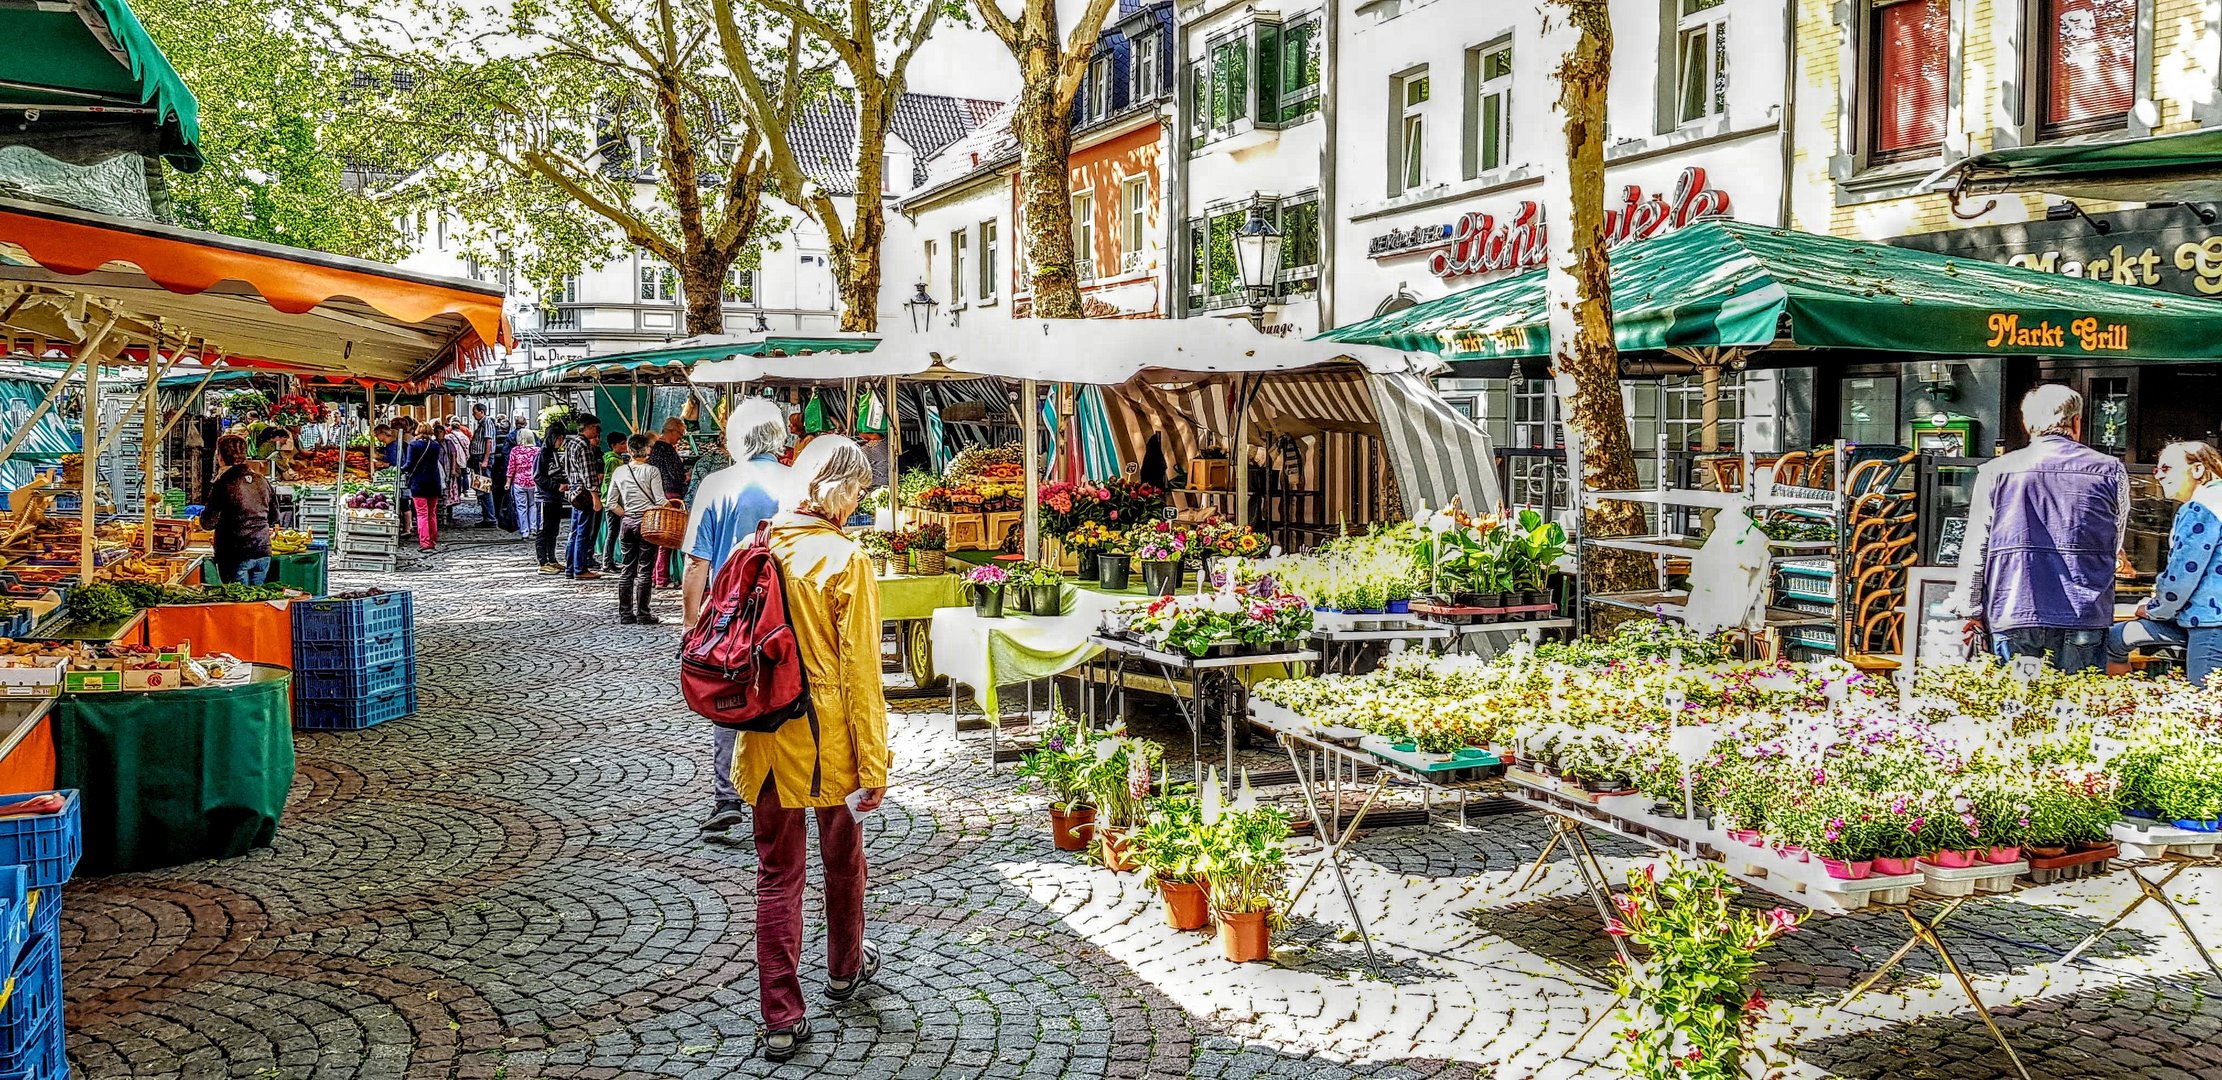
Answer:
(1478, 243)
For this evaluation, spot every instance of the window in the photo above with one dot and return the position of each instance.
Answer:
(956, 267)
(1134, 215)
(1700, 60)
(439, 225)
(1288, 72)
(1684, 409)
(566, 291)
(1148, 79)
(1907, 87)
(1221, 85)
(658, 282)
(1084, 236)
(989, 260)
(1215, 278)
(1488, 108)
(1100, 99)
(1300, 245)
(933, 256)
(740, 285)
(2086, 61)
(1408, 150)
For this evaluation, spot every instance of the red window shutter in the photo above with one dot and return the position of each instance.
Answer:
(2090, 50)
(1912, 42)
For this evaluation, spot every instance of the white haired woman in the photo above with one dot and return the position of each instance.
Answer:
(816, 767)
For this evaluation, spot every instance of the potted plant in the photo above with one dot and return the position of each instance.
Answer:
(1045, 588)
(1115, 563)
(1694, 1001)
(987, 582)
(1160, 551)
(1118, 784)
(1247, 865)
(1170, 849)
(1060, 765)
(929, 545)
(2068, 808)
(2186, 788)
(1542, 544)
(1088, 541)
(1399, 592)
(878, 547)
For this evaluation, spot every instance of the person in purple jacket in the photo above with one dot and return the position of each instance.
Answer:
(2044, 535)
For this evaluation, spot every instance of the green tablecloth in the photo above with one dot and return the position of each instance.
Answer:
(306, 571)
(174, 776)
(915, 596)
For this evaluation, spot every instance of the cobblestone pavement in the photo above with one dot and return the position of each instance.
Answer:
(509, 884)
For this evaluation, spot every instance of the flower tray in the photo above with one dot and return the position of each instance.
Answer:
(2074, 864)
(1431, 764)
(1459, 614)
(2153, 840)
(1969, 880)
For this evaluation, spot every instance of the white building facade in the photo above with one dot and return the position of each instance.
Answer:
(1444, 128)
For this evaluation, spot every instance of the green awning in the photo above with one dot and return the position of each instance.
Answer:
(1727, 284)
(664, 363)
(2185, 167)
(95, 53)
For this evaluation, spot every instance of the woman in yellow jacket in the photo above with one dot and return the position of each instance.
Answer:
(833, 604)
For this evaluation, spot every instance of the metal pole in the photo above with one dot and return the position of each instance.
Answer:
(1240, 452)
(88, 466)
(894, 451)
(1029, 425)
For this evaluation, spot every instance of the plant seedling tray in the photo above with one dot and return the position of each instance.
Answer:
(2074, 864)
(1423, 763)
(2152, 840)
(1969, 880)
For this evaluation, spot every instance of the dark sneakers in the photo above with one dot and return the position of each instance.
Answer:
(840, 990)
(725, 817)
(784, 1045)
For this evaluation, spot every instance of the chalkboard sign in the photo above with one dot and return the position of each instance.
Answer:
(1949, 540)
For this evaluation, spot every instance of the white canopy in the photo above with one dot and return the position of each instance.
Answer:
(1099, 352)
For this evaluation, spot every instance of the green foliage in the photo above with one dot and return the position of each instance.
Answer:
(2187, 784)
(1170, 844)
(1117, 778)
(1694, 999)
(1246, 858)
(1060, 765)
(99, 603)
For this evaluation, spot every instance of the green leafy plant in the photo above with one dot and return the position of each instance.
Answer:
(99, 603)
(1694, 999)
(1170, 844)
(2187, 784)
(1246, 860)
(1060, 765)
(1117, 778)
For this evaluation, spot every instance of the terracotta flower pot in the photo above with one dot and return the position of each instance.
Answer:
(1072, 828)
(1118, 854)
(2000, 856)
(1244, 936)
(1186, 905)
(1848, 869)
(1888, 867)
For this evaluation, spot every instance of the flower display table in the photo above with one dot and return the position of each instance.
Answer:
(909, 601)
(1220, 679)
(985, 653)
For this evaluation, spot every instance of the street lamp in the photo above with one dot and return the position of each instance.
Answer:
(921, 308)
(1257, 253)
(763, 325)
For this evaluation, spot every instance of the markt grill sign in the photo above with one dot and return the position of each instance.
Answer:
(2172, 249)
(1479, 243)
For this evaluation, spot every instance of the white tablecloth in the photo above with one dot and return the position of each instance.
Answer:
(962, 650)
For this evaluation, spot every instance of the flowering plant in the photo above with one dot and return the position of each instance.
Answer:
(876, 544)
(987, 576)
(1068, 505)
(1131, 500)
(1095, 536)
(294, 410)
(1193, 624)
(1034, 574)
(1245, 857)
(1119, 778)
(1060, 764)
(1170, 843)
(928, 537)
(1228, 538)
(1159, 541)
(1695, 1001)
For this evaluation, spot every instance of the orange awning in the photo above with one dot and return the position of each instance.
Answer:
(285, 307)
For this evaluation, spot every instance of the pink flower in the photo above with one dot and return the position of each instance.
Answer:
(1617, 928)
(1780, 922)
(1757, 1002)
(1626, 904)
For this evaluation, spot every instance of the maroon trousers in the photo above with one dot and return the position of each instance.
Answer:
(782, 859)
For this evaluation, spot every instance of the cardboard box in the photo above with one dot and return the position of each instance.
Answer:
(38, 676)
(93, 682)
(164, 677)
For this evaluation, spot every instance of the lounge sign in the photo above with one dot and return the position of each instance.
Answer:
(2011, 331)
(1479, 243)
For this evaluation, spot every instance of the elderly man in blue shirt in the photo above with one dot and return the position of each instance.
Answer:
(2044, 536)
(727, 508)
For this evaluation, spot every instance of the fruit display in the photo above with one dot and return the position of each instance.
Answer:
(142, 569)
(289, 542)
(321, 465)
(370, 506)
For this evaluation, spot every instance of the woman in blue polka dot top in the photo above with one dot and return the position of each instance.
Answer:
(2186, 606)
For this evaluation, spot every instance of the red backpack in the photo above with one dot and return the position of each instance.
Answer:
(740, 665)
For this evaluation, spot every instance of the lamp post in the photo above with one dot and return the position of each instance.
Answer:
(1257, 253)
(921, 308)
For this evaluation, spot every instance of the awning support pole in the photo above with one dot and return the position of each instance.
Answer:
(53, 393)
(1030, 420)
(88, 468)
(1240, 452)
(894, 452)
(147, 438)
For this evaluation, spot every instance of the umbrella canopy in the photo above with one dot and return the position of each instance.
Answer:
(676, 362)
(2185, 167)
(92, 54)
(259, 304)
(1727, 284)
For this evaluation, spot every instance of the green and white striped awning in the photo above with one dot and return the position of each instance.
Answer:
(664, 363)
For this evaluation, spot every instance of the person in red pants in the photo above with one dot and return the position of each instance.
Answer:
(832, 764)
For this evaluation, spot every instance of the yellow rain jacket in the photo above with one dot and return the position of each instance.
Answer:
(834, 604)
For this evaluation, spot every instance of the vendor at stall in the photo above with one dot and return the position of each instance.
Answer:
(242, 512)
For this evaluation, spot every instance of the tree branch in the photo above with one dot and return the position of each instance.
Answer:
(1080, 47)
(999, 24)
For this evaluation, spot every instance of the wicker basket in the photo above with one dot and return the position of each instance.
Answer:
(929, 562)
(664, 526)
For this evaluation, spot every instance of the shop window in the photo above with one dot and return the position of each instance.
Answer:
(1700, 60)
(1408, 132)
(2086, 61)
(1488, 108)
(1683, 412)
(1867, 409)
(1909, 49)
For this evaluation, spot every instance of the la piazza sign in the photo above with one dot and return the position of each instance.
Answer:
(1478, 243)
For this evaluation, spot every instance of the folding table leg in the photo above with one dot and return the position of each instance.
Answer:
(1600, 889)
(1331, 854)
(1542, 858)
(2150, 889)
(1925, 933)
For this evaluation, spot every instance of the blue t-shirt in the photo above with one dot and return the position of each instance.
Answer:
(728, 507)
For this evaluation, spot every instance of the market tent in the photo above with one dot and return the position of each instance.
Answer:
(42, 443)
(259, 304)
(2184, 167)
(91, 56)
(1731, 285)
(668, 363)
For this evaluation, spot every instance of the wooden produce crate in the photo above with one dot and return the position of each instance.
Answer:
(1211, 474)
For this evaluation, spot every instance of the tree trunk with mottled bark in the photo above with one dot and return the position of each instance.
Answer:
(1585, 360)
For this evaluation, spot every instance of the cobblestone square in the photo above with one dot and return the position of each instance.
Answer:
(509, 884)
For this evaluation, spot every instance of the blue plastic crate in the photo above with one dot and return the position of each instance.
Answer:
(46, 911)
(15, 916)
(325, 656)
(34, 998)
(46, 846)
(362, 682)
(354, 714)
(47, 1058)
(362, 619)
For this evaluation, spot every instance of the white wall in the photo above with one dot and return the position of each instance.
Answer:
(963, 210)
